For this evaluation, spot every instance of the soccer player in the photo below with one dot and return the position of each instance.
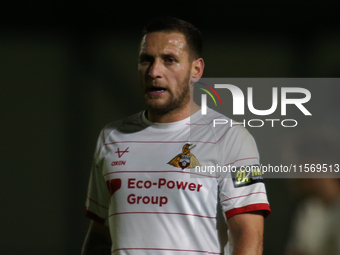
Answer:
(145, 194)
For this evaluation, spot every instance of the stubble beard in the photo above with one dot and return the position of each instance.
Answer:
(174, 103)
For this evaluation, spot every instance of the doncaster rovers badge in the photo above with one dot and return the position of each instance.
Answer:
(185, 159)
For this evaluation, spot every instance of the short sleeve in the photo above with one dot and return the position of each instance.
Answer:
(98, 198)
(242, 187)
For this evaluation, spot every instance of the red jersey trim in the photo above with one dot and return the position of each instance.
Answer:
(171, 213)
(94, 216)
(106, 144)
(249, 208)
(241, 160)
(163, 249)
(254, 193)
(165, 171)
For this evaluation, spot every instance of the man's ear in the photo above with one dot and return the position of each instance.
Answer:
(197, 69)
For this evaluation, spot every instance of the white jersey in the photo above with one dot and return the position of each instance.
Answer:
(149, 183)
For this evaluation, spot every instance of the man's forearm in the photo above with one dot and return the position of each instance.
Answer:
(247, 245)
(247, 233)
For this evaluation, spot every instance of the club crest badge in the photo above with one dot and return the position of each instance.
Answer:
(185, 159)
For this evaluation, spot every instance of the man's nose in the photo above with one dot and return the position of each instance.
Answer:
(156, 68)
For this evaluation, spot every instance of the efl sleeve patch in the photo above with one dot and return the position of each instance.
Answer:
(246, 175)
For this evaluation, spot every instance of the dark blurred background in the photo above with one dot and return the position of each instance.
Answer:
(68, 69)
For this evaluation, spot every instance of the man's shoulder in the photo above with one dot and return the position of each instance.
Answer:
(213, 119)
(213, 114)
(119, 128)
(218, 124)
(126, 124)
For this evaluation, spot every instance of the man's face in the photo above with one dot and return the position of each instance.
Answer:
(165, 71)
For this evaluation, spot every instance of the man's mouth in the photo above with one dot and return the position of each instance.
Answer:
(156, 89)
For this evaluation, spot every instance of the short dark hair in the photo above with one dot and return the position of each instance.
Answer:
(192, 35)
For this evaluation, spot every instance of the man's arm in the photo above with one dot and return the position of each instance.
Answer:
(246, 231)
(97, 240)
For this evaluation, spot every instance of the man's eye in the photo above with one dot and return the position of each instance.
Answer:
(145, 60)
(170, 60)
